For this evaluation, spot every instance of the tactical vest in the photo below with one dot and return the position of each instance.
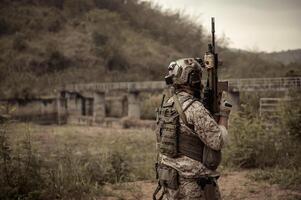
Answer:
(172, 139)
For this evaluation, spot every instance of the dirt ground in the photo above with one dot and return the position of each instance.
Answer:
(234, 185)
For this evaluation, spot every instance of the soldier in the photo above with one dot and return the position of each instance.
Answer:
(189, 140)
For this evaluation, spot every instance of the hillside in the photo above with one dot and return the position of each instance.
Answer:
(285, 57)
(45, 44)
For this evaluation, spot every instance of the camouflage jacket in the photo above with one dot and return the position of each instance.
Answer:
(207, 130)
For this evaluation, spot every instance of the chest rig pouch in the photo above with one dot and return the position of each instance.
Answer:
(167, 130)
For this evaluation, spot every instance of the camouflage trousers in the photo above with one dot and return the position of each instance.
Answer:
(190, 189)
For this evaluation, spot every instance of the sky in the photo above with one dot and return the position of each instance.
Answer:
(258, 25)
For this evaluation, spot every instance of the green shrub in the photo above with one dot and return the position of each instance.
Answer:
(149, 105)
(251, 144)
(77, 7)
(99, 39)
(19, 42)
(5, 28)
(289, 124)
(254, 143)
(54, 61)
(275, 149)
(290, 114)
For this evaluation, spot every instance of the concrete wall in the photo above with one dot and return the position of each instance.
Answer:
(99, 107)
(116, 106)
(38, 110)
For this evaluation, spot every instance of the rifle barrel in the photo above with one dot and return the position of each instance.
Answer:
(213, 33)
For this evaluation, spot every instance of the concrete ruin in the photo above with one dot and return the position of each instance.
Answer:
(98, 103)
(123, 99)
(96, 107)
(42, 110)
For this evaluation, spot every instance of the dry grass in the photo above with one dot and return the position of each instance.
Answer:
(138, 144)
(74, 162)
(85, 162)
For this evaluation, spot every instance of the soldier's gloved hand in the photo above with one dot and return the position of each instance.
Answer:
(225, 106)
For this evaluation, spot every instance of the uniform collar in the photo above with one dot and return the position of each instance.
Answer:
(183, 93)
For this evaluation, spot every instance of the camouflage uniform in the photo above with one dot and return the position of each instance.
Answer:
(189, 169)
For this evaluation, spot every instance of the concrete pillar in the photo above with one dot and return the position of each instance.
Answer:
(71, 104)
(99, 107)
(59, 109)
(233, 98)
(133, 105)
(124, 106)
(73, 108)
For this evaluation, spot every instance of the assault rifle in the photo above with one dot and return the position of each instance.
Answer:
(214, 88)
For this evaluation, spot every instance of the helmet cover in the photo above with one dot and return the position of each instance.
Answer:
(185, 71)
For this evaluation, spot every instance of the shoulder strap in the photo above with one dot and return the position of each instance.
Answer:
(179, 109)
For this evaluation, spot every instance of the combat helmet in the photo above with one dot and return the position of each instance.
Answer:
(185, 73)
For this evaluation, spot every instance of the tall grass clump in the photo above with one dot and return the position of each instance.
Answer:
(149, 105)
(20, 168)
